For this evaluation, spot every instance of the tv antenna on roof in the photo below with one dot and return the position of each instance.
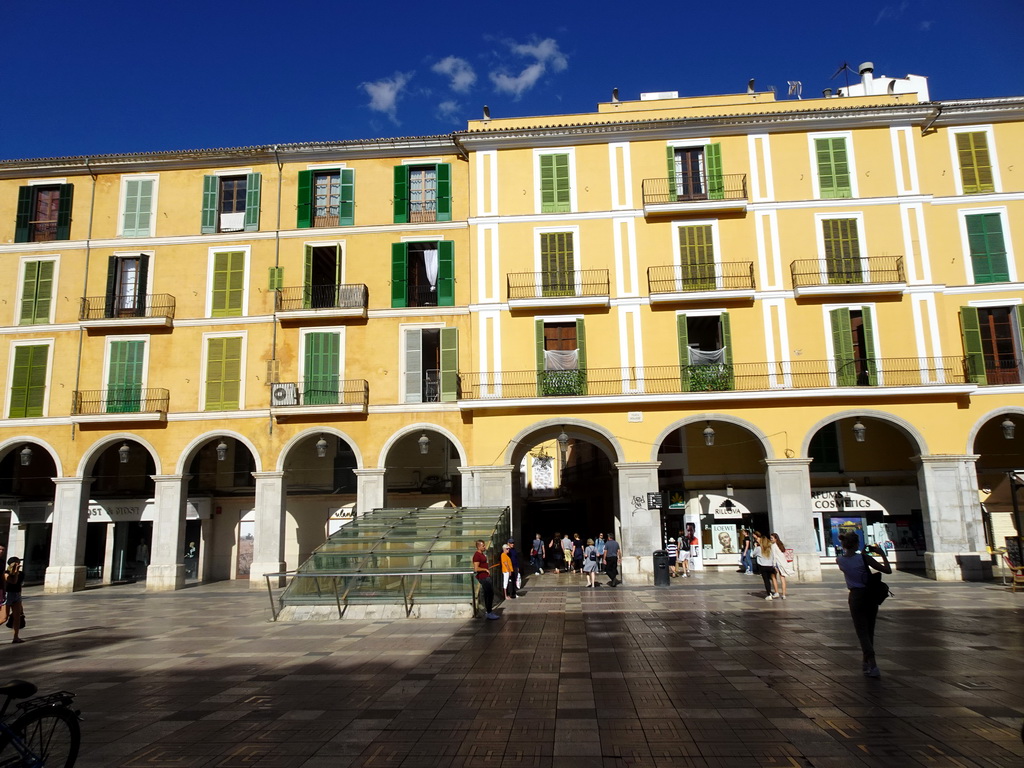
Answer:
(795, 88)
(844, 67)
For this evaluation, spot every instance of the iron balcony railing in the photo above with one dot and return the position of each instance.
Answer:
(150, 305)
(997, 369)
(733, 377)
(325, 392)
(874, 270)
(695, 187)
(127, 400)
(677, 278)
(42, 231)
(322, 297)
(561, 283)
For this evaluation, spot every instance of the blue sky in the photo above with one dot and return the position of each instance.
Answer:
(107, 77)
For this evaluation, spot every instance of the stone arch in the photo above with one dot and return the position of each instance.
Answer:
(995, 413)
(389, 444)
(726, 418)
(306, 434)
(909, 431)
(13, 443)
(88, 459)
(574, 428)
(186, 456)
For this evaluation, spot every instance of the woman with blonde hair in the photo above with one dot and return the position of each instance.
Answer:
(765, 566)
(782, 569)
(590, 562)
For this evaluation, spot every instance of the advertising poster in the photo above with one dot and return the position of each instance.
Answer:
(841, 525)
(724, 539)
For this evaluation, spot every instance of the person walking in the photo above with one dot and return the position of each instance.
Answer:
(577, 553)
(506, 570)
(567, 550)
(516, 579)
(782, 568)
(763, 555)
(14, 577)
(745, 547)
(482, 571)
(3, 595)
(590, 563)
(856, 569)
(556, 553)
(612, 552)
(599, 546)
(537, 554)
(672, 550)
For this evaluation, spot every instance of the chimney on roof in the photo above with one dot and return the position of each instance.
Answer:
(866, 72)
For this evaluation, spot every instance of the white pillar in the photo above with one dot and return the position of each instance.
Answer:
(15, 541)
(791, 515)
(639, 527)
(369, 489)
(108, 553)
(487, 486)
(953, 528)
(166, 570)
(268, 547)
(66, 572)
(205, 549)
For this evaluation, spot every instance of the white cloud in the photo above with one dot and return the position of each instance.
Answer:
(926, 26)
(384, 93)
(891, 12)
(546, 57)
(449, 110)
(458, 70)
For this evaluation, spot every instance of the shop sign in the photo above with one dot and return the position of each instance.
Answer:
(722, 507)
(140, 510)
(852, 503)
(654, 501)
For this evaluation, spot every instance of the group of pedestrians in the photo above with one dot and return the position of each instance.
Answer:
(769, 555)
(565, 554)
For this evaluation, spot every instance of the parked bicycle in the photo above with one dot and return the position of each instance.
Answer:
(43, 733)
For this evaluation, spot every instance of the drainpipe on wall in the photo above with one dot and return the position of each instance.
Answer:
(277, 263)
(85, 283)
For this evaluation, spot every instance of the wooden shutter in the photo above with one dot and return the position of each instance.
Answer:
(558, 264)
(223, 373)
(713, 169)
(37, 292)
(672, 190)
(64, 200)
(28, 381)
(449, 365)
(211, 195)
(323, 362)
(401, 196)
(868, 324)
(726, 329)
(252, 202)
(833, 168)
(228, 283)
(124, 378)
(444, 191)
(399, 276)
(555, 196)
(697, 258)
(138, 205)
(110, 298)
(581, 347)
(141, 284)
(842, 251)
(538, 337)
(24, 214)
(446, 273)
(987, 247)
(413, 353)
(275, 278)
(304, 215)
(347, 199)
(842, 348)
(970, 332)
(975, 164)
(683, 339)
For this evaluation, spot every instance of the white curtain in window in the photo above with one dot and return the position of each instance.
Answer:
(561, 359)
(700, 357)
(430, 262)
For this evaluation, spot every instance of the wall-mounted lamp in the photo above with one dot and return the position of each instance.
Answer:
(563, 446)
(709, 435)
(424, 443)
(859, 431)
(26, 456)
(123, 453)
(222, 451)
(321, 447)
(1008, 428)
(853, 486)
(728, 490)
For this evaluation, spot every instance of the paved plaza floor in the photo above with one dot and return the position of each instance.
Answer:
(702, 673)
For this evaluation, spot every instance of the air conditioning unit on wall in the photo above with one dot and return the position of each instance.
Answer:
(284, 394)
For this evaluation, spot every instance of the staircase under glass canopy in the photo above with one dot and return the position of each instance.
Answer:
(392, 563)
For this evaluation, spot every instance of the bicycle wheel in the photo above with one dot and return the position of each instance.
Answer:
(51, 734)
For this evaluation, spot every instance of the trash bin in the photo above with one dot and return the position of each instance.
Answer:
(661, 576)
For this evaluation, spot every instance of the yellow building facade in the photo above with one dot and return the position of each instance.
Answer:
(724, 312)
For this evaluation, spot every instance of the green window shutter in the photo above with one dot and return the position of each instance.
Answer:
(671, 151)
(228, 283)
(307, 279)
(211, 193)
(323, 362)
(683, 336)
(558, 264)
(697, 258)
(444, 191)
(988, 249)
(399, 279)
(223, 373)
(726, 328)
(449, 365)
(446, 273)
(538, 334)
(28, 381)
(975, 164)
(28, 293)
(713, 166)
(275, 278)
(581, 346)
(869, 345)
(970, 332)
(124, 380)
(555, 193)
(414, 366)
(36, 292)
(252, 202)
(842, 348)
(401, 199)
(305, 204)
(842, 251)
(24, 215)
(138, 204)
(347, 203)
(64, 201)
(833, 168)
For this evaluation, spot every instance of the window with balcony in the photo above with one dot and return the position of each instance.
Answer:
(37, 291)
(423, 193)
(28, 380)
(987, 247)
(561, 358)
(231, 203)
(125, 365)
(555, 173)
(137, 196)
(431, 364)
(705, 352)
(44, 213)
(423, 274)
(841, 243)
(695, 173)
(223, 381)
(833, 166)
(853, 347)
(326, 198)
(558, 264)
(227, 288)
(322, 368)
(127, 276)
(975, 164)
(696, 258)
(993, 340)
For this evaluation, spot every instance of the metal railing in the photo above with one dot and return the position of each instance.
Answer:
(112, 307)
(42, 231)
(677, 278)
(873, 270)
(327, 392)
(127, 400)
(694, 187)
(999, 369)
(561, 283)
(301, 297)
(738, 377)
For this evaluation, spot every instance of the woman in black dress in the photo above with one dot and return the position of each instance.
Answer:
(556, 556)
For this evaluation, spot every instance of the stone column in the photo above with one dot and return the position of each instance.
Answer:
(268, 547)
(790, 513)
(953, 528)
(66, 572)
(166, 570)
(639, 527)
(487, 486)
(369, 489)
(108, 554)
(15, 542)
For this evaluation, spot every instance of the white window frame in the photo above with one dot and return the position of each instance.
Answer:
(715, 244)
(537, 153)
(213, 251)
(49, 344)
(813, 156)
(965, 245)
(990, 140)
(155, 178)
(403, 366)
(243, 335)
(22, 262)
(340, 332)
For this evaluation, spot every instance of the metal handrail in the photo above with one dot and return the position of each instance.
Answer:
(558, 283)
(679, 278)
(149, 305)
(694, 187)
(873, 270)
(341, 296)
